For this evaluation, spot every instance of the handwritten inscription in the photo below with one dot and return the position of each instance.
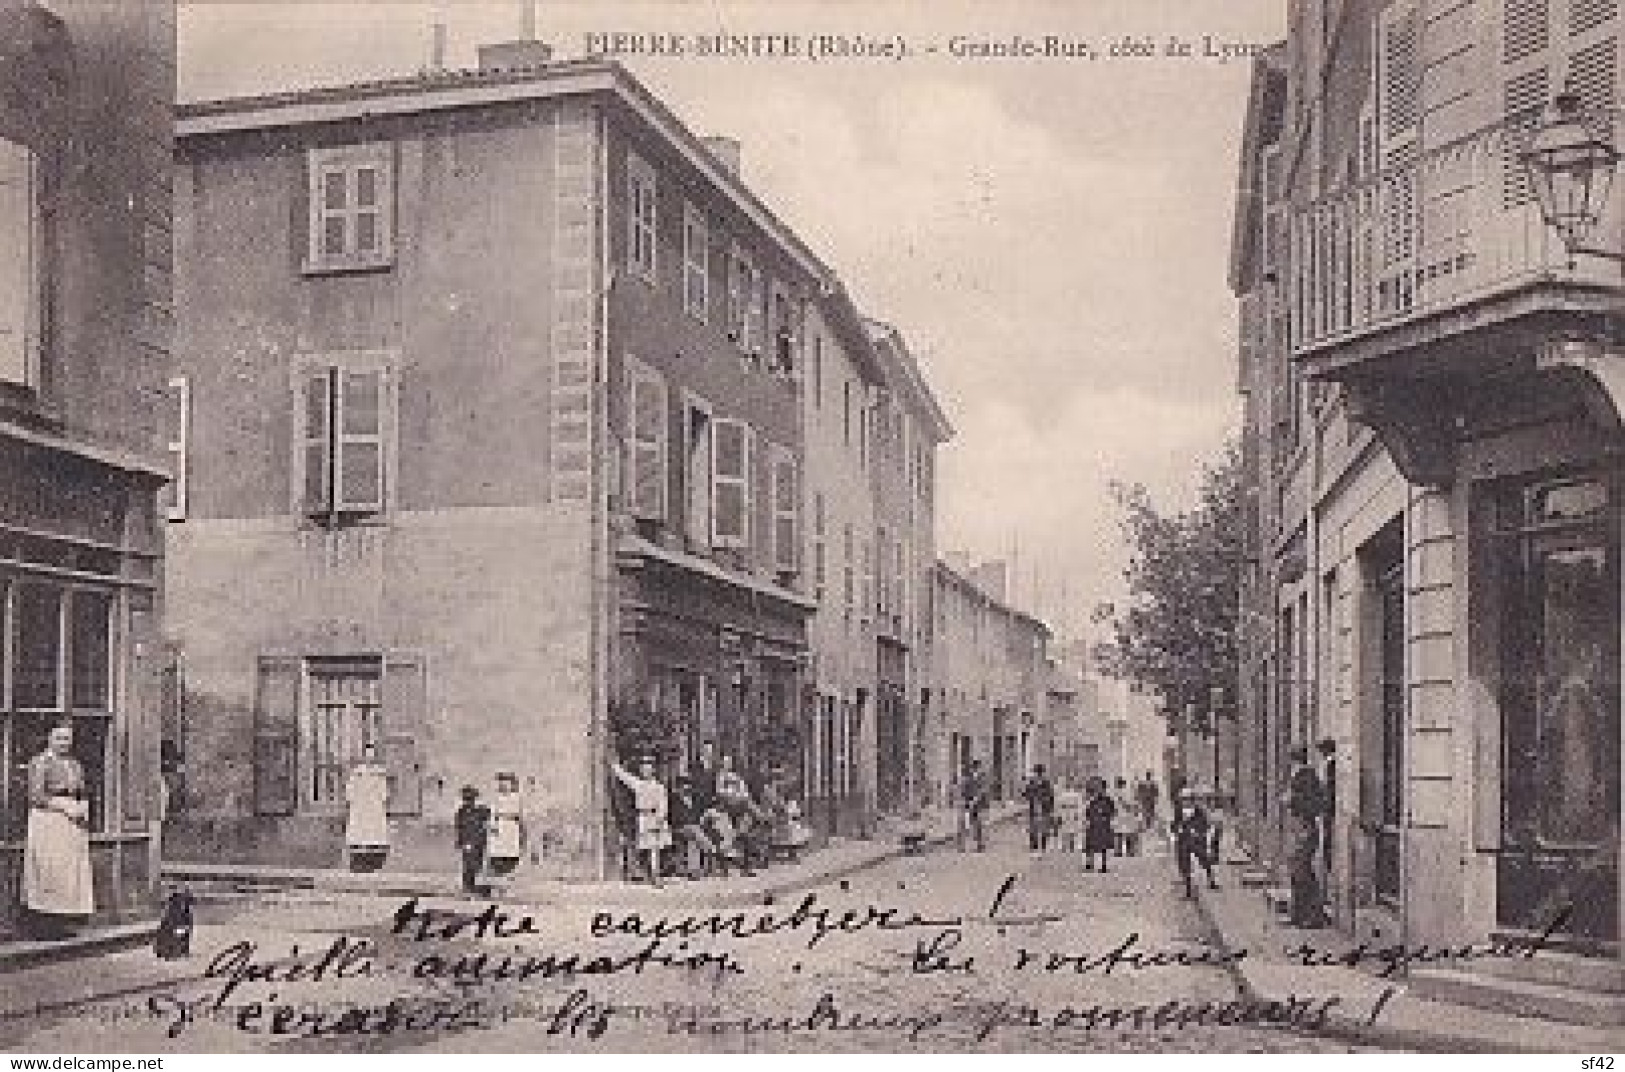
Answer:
(450, 969)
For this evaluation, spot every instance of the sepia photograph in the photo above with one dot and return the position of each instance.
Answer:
(710, 527)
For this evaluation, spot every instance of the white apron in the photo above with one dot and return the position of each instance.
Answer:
(56, 865)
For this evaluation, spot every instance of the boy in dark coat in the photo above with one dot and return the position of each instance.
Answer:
(473, 823)
(1192, 840)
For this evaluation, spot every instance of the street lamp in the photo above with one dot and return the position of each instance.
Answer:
(1572, 171)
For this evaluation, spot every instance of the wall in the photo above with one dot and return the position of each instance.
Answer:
(483, 567)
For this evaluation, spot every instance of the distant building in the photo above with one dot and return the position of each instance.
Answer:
(86, 90)
(992, 682)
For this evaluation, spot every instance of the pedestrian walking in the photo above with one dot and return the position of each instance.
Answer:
(473, 829)
(1305, 806)
(1145, 794)
(972, 806)
(1192, 833)
(1039, 794)
(1069, 817)
(1098, 835)
(649, 800)
(56, 880)
(1125, 820)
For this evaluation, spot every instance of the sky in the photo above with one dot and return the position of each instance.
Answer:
(1050, 234)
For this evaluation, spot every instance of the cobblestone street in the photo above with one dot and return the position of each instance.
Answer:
(931, 958)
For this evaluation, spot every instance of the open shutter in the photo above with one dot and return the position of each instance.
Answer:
(404, 722)
(647, 420)
(730, 483)
(371, 198)
(142, 713)
(315, 438)
(178, 419)
(359, 466)
(786, 499)
(18, 278)
(276, 736)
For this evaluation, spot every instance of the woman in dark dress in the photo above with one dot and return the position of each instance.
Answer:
(1097, 830)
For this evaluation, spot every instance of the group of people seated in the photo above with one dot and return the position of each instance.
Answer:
(711, 821)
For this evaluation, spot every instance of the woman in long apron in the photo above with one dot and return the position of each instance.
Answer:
(507, 826)
(56, 855)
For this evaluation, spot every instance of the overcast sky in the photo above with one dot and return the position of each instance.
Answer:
(1051, 235)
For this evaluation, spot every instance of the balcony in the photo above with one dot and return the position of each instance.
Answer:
(1440, 268)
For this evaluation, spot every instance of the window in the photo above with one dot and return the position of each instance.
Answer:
(866, 607)
(730, 484)
(344, 421)
(351, 208)
(20, 267)
(882, 589)
(782, 328)
(697, 472)
(179, 399)
(342, 725)
(315, 719)
(786, 512)
(846, 413)
(847, 570)
(818, 546)
(745, 302)
(56, 653)
(696, 263)
(818, 369)
(641, 219)
(646, 425)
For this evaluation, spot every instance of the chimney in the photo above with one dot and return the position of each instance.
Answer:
(726, 150)
(437, 48)
(514, 55)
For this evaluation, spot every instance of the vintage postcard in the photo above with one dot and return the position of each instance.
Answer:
(773, 526)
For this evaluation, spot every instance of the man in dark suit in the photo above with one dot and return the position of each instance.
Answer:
(1328, 783)
(473, 822)
(1305, 803)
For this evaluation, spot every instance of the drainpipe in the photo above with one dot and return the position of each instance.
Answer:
(603, 604)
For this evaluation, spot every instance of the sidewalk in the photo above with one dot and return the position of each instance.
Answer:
(1243, 919)
(840, 857)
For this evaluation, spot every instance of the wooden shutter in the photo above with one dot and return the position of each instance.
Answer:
(276, 736)
(359, 466)
(18, 270)
(315, 439)
(405, 719)
(646, 435)
(143, 717)
(786, 499)
(178, 433)
(730, 483)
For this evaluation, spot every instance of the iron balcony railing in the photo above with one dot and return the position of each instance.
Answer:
(1455, 225)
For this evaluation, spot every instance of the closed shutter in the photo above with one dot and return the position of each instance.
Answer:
(647, 423)
(276, 736)
(18, 278)
(143, 719)
(359, 467)
(405, 721)
(315, 439)
(786, 497)
(730, 483)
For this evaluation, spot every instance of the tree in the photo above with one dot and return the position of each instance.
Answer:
(1176, 635)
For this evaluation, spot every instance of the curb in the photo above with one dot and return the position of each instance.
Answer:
(114, 939)
(1344, 1029)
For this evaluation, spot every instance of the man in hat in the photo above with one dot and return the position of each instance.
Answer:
(1305, 806)
(473, 825)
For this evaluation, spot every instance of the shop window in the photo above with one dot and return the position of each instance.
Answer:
(36, 672)
(89, 677)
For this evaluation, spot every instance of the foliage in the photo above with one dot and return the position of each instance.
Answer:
(1176, 635)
